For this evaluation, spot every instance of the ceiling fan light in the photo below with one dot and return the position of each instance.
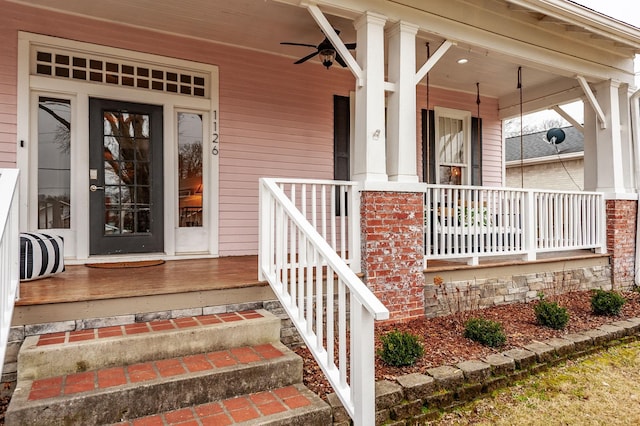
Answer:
(327, 57)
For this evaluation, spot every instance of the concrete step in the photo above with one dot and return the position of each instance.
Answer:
(288, 406)
(113, 394)
(69, 352)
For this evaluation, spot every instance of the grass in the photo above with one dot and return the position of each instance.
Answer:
(602, 389)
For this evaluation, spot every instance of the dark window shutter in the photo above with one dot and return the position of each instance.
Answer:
(428, 146)
(341, 133)
(341, 149)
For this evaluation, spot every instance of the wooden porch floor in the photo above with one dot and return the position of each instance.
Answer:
(81, 283)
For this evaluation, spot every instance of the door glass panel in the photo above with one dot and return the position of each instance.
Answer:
(190, 169)
(54, 163)
(127, 168)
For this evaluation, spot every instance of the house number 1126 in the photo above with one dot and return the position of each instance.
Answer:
(215, 137)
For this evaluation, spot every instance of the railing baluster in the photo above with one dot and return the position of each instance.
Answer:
(302, 260)
(343, 227)
(333, 217)
(309, 293)
(330, 321)
(342, 332)
(323, 210)
(319, 302)
(314, 212)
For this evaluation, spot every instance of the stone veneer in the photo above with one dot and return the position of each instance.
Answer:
(445, 298)
(418, 398)
(391, 225)
(621, 241)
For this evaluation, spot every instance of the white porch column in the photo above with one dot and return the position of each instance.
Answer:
(401, 108)
(369, 151)
(607, 150)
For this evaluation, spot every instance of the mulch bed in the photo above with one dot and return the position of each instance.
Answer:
(445, 344)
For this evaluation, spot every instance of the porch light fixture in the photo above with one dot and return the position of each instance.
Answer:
(327, 57)
(462, 61)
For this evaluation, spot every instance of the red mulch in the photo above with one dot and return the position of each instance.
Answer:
(445, 344)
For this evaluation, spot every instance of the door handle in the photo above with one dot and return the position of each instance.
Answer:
(94, 188)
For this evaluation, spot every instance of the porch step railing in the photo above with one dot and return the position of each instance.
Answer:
(472, 222)
(9, 253)
(314, 285)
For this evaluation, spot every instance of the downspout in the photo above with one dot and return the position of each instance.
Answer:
(635, 138)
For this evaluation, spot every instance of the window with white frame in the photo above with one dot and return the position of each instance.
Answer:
(453, 141)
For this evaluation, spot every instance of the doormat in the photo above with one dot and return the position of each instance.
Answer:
(123, 265)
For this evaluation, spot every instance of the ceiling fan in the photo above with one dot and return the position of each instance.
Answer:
(324, 50)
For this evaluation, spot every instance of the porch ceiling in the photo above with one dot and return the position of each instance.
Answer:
(262, 25)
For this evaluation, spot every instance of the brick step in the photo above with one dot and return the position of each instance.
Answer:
(56, 354)
(291, 405)
(112, 394)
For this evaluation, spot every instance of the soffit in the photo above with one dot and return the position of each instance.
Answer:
(262, 25)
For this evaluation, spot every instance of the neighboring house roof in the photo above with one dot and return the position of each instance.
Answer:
(536, 146)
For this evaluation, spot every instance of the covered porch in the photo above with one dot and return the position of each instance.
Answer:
(402, 123)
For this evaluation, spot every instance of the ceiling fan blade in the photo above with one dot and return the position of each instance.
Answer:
(340, 61)
(306, 58)
(289, 43)
(350, 46)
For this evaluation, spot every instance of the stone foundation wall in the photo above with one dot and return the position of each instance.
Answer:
(444, 298)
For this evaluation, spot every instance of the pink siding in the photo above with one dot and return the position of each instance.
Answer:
(276, 119)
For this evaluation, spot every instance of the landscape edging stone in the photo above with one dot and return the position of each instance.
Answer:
(450, 392)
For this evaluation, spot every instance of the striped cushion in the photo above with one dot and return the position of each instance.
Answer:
(41, 255)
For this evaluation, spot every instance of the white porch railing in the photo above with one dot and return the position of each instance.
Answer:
(326, 206)
(472, 222)
(9, 253)
(313, 283)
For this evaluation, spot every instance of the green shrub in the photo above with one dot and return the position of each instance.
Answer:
(400, 348)
(606, 302)
(485, 331)
(550, 314)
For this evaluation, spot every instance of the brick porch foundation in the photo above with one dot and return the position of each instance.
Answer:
(393, 250)
(621, 235)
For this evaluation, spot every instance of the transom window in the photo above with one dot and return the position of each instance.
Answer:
(106, 70)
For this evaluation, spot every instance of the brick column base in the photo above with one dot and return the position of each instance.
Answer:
(393, 250)
(621, 241)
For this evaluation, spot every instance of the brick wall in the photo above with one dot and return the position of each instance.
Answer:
(393, 250)
(621, 235)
